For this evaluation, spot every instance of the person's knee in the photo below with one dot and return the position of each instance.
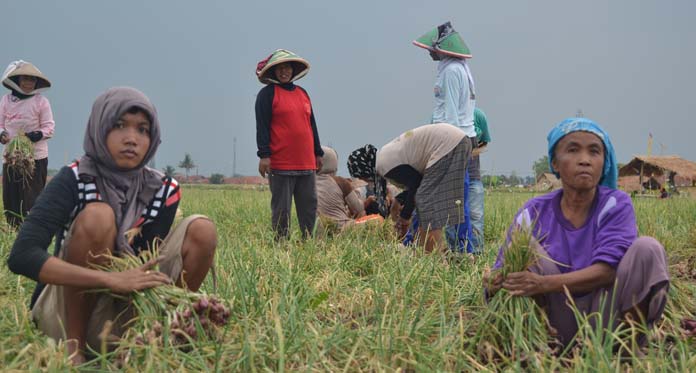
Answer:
(202, 234)
(647, 248)
(644, 252)
(93, 232)
(95, 221)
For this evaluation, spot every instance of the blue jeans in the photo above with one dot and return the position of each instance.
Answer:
(476, 195)
(458, 236)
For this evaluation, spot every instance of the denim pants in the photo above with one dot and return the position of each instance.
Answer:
(476, 195)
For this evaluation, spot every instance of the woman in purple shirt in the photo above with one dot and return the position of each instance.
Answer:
(588, 230)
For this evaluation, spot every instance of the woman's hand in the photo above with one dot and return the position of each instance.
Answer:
(137, 279)
(525, 284)
(264, 166)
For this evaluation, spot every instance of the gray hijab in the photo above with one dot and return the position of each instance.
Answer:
(127, 191)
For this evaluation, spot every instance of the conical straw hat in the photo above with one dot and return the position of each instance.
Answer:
(20, 67)
(445, 40)
(264, 69)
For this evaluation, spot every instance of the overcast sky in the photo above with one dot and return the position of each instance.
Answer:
(624, 63)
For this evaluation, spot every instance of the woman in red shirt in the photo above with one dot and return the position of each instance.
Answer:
(288, 142)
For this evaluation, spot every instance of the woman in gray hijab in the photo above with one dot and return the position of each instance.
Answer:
(108, 202)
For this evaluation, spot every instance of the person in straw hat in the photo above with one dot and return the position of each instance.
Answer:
(454, 104)
(288, 142)
(24, 111)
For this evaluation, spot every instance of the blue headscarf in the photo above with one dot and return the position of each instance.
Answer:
(610, 172)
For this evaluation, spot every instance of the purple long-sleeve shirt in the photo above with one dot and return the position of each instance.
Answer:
(606, 235)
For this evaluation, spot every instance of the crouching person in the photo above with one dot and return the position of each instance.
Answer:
(587, 236)
(338, 205)
(429, 162)
(90, 206)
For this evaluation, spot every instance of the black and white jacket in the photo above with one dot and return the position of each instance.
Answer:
(60, 203)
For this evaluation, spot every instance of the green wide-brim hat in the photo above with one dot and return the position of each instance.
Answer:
(264, 69)
(445, 40)
(18, 68)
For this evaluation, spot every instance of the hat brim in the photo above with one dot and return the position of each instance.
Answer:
(27, 69)
(266, 75)
(431, 49)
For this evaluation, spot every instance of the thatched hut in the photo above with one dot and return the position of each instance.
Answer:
(631, 184)
(671, 169)
(547, 181)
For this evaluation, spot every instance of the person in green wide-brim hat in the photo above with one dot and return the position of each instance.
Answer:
(443, 39)
(455, 100)
(288, 144)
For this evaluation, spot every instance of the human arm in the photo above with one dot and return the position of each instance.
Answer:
(481, 124)
(318, 151)
(50, 212)
(410, 178)
(478, 150)
(528, 283)
(4, 136)
(46, 123)
(58, 272)
(355, 206)
(264, 113)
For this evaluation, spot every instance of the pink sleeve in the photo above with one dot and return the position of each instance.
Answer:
(2, 113)
(46, 122)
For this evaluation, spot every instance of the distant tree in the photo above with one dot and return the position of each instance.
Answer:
(187, 164)
(541, 166)
(514, 179)
(217, 178)
(169, 170)
(490, 180)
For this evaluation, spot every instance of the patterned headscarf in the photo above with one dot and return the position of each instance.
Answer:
(361, 164)
(127, 191)
(610, 171)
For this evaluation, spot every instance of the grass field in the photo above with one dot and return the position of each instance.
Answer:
(358, 302)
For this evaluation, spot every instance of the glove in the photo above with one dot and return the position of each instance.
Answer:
(34, 136)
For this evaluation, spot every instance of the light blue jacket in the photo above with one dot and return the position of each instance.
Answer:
(455, 98)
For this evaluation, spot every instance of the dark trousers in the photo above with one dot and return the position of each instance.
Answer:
(283, 188)
(18, 194)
